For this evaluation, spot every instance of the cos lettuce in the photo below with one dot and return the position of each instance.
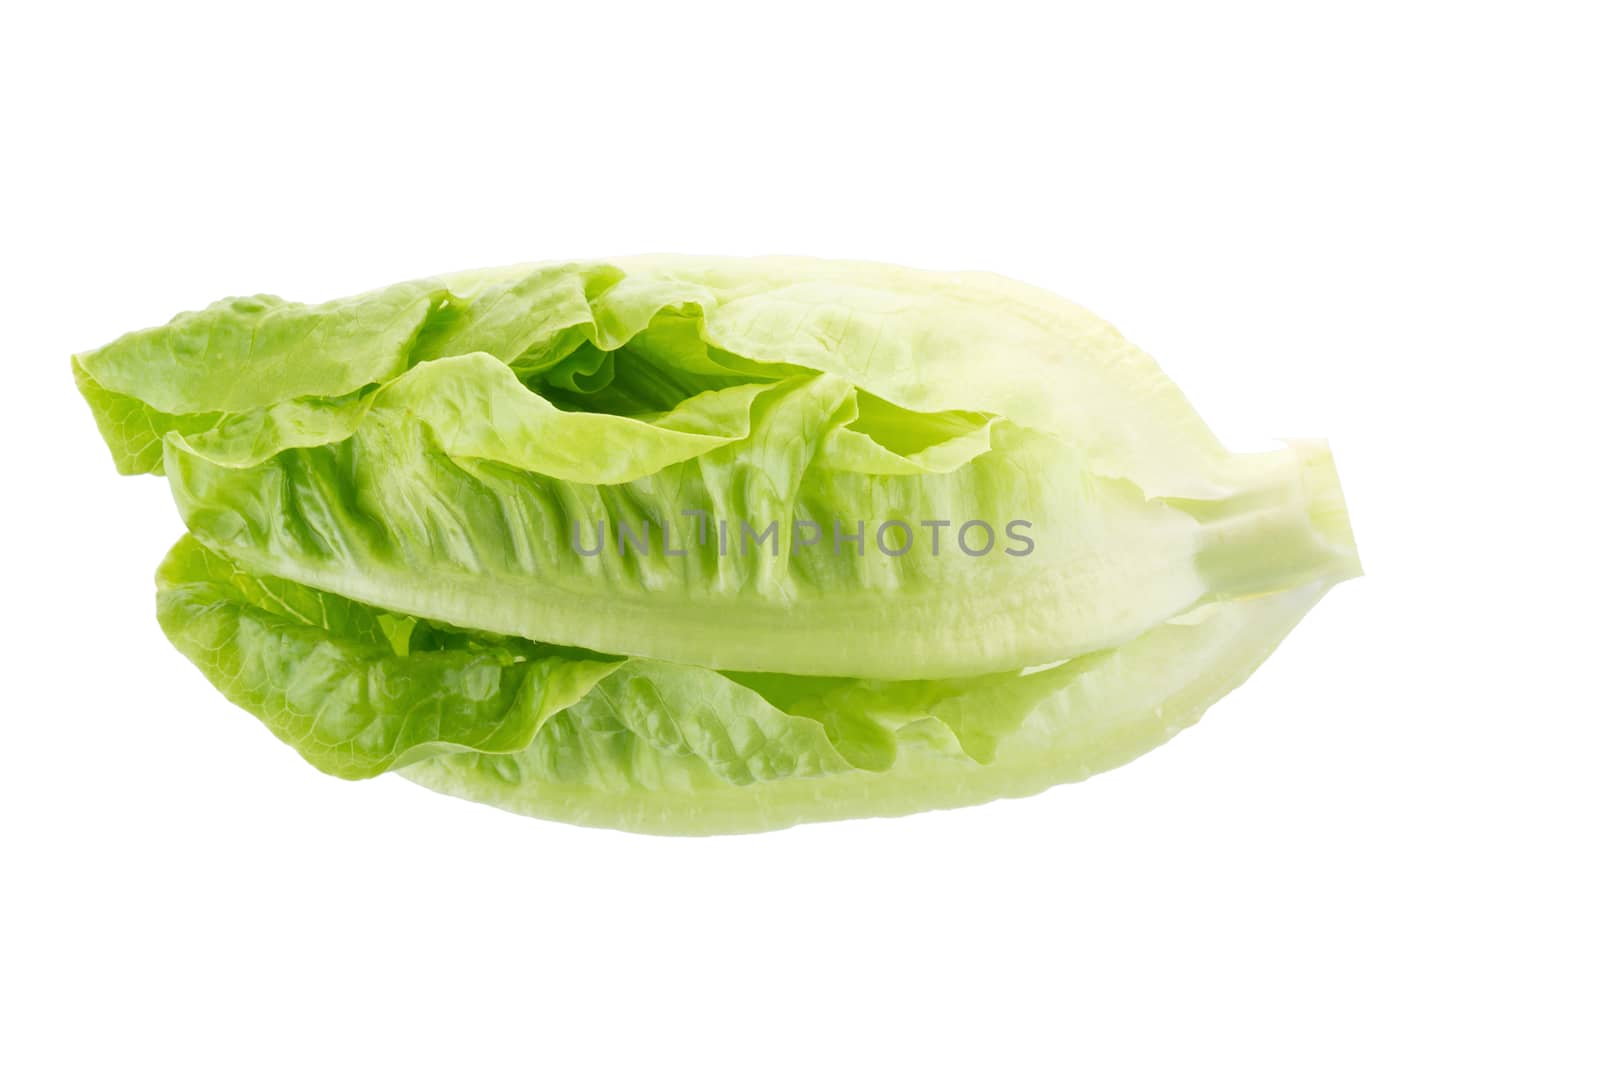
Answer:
(693, 545)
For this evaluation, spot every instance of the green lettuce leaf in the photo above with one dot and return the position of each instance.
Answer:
(357, 691)
(1038, 731)
(469, 511)
(661, 747)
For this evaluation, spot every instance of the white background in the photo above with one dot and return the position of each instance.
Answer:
(1375, 223)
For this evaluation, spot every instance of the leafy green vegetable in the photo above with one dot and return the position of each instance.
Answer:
(693, 545)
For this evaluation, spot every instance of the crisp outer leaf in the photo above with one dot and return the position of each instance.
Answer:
(1083, 719)
(250, 352)
(392, 517)
(323, 673)
(241, 358)
(671, 748)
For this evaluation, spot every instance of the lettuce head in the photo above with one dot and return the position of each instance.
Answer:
(692, 545)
